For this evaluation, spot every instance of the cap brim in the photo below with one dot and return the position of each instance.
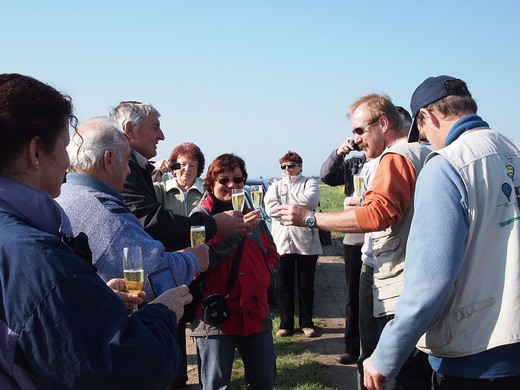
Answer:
(413, 134)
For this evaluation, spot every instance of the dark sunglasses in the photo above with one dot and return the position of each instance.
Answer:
(237, 180)
(290, 165)
(362, 130)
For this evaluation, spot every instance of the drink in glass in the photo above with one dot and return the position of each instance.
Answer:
(283, 192)
(133, 269)
(238, 197)
(197, 235)
(359, 186)
(257, 194)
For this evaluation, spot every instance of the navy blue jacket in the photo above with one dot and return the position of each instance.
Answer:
(62, 327)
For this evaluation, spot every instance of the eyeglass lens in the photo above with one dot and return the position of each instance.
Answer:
(226, 180)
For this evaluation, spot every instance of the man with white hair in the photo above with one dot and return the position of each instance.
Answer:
(142, 127)
(99, 155)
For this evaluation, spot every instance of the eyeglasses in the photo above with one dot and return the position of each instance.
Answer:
(362, 130)
(237, 180)
(283, 167)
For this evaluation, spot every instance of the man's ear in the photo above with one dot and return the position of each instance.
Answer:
(129, 129)
(108, 160)
(430, 116)
(385, 123)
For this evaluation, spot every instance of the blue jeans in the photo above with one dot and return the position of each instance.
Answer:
(217, 354)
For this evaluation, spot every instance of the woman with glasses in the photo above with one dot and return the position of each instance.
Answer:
(299, 247)
(238, 279)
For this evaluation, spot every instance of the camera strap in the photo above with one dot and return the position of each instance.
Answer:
(234, 266)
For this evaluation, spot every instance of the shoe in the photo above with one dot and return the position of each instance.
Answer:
(282, 333)
(309, 332)
(347, 358)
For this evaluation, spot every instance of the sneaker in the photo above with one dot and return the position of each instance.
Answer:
(282, 333)
(309, 332)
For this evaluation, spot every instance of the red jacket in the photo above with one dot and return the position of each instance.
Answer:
(247, 300)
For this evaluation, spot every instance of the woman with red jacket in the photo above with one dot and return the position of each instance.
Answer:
(248, 326)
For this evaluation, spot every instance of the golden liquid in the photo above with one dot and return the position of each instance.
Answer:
(197, 237)
(257, 198)
(238, 201)
(134, 280)
(359, 182)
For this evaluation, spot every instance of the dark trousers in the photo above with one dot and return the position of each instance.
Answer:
(445, 382)
(303, 267)
(181, 376)
(352, 257)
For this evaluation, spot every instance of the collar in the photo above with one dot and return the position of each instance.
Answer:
(34, 206)
(81, 179)
(292, 179)
(464, 124)
(141, 160)
(172, 184)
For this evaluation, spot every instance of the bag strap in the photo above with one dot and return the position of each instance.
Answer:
(234, 266)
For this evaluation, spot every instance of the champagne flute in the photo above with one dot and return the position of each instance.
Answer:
(238, 197)
(283, 192)
(359, 184)
(258, 195)
(197, 235)
(133, 270)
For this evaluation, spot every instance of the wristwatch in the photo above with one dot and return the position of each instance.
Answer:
(310, 220)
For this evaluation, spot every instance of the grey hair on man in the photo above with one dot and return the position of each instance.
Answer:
(132, 112)
(90, 141)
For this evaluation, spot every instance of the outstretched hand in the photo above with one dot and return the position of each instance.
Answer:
(293, 215)
(175, 299)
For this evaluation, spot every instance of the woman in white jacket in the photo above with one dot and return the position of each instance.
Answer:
(299, 247)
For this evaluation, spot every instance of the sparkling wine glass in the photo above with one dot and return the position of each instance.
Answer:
(133, 270)
(238, 197)
(197, 235)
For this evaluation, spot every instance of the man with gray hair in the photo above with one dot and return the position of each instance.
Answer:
(99, 155)
(140, 123)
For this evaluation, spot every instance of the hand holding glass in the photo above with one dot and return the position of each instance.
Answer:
(133, 270)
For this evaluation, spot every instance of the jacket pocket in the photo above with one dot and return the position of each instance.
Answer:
(388, 255)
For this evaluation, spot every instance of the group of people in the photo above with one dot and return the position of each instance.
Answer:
(431, 248)
(70, 203)
(440, 214)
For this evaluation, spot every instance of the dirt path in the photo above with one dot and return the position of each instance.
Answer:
(329, 312)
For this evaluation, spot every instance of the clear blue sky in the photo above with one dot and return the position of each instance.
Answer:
(258, 78)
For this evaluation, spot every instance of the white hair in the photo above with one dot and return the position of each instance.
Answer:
(132, 112)
(91, 139)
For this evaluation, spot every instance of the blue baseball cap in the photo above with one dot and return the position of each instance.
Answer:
(431, 90)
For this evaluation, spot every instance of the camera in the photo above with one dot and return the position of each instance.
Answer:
(354, 145)
(175, 166)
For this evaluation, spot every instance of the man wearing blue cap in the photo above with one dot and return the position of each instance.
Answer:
(462, 284)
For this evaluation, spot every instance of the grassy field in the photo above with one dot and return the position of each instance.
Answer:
(331, 199)
(296, 368)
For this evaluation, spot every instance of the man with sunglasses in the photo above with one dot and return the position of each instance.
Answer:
(140, 123)
(462, 291)
(386, 211)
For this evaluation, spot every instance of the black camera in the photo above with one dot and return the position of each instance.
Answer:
(354, 145)
(175, 166)
(216, 310)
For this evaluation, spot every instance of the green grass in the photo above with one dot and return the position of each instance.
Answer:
(296, 368)
(331, 199)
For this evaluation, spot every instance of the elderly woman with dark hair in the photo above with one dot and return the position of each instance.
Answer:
(62, 326)
(251, 258)
(184, 191)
